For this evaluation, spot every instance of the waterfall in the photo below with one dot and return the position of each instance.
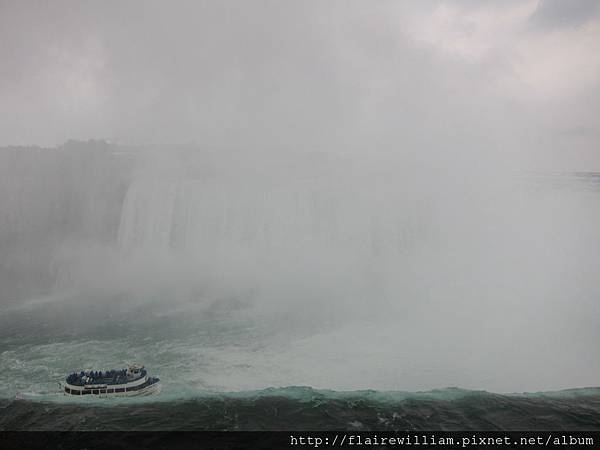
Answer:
(214, 216)
(147, 216)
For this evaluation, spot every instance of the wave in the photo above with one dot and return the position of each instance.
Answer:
(303, 408)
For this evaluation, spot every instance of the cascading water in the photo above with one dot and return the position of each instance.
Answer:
(200, 216)
(147, 215)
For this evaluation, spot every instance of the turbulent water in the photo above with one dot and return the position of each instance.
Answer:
(303, 408)
(201, 357)
(211, 358)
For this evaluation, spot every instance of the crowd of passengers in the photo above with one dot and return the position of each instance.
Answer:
(108, 377)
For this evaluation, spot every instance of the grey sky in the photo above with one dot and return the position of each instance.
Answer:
(559, 13)
(520, 76)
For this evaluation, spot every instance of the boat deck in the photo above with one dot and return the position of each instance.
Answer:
(109, 377)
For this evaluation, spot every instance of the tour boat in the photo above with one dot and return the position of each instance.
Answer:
(116, 382)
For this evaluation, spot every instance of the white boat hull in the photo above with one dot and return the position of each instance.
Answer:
(149, 390)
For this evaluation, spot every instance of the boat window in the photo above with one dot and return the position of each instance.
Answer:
(86, 392)
(120, 390)
(67, 390)
(110, 391)
(96, 391)
(103, 391)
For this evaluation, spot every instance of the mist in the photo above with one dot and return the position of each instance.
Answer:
(392, 196)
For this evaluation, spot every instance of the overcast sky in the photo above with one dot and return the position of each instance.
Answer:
(521, 76)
